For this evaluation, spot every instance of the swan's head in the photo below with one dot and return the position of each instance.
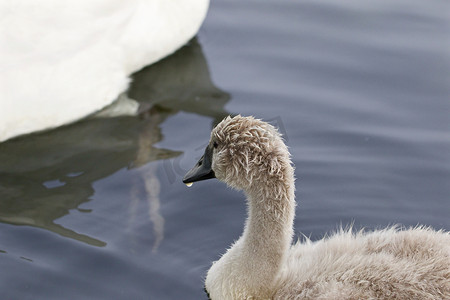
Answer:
(244, 152)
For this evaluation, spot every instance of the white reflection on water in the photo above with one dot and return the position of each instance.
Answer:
(45, 175)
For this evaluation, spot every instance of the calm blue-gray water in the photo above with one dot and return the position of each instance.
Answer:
(360, 90)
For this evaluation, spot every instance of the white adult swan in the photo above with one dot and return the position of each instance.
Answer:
(63, 60)
(249, 155)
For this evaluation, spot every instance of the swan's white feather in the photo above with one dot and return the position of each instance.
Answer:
(63, 60)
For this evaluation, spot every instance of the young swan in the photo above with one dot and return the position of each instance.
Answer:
(249, 155)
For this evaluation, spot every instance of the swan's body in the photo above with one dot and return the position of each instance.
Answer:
(249, 154)
(63, 60)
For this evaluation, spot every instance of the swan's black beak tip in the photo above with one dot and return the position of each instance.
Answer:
(202, 169)
(196, 174)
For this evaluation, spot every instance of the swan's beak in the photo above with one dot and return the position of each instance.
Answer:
(202, 169)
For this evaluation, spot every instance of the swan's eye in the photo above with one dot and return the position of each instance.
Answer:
(215, 145)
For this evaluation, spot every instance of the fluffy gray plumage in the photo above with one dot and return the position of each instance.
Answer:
(250, 155)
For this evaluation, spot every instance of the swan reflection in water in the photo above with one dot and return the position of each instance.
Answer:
(43, 176)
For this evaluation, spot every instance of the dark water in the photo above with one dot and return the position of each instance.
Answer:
(361, 90)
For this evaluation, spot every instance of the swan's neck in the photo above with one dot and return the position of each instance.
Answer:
(268, 234)
(251, 266)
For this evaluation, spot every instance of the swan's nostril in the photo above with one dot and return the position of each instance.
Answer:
(199, 163)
